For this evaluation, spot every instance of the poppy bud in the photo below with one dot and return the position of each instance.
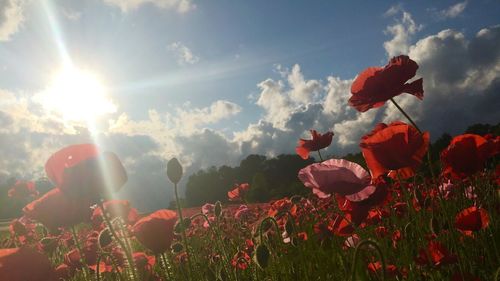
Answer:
(218, 209)
(174, 170)
(261, 256)
(434, 226)
(289, 227)
(105, 238)
(295, 199)
(181, 226)
(177, 248)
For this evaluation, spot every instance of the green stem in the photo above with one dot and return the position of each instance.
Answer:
(184, 238)
(128, 254)
(420, 131)
(115, 267)
(319, 153)
(216, 231)
(356, 255)
(80, 251)
(275, 223)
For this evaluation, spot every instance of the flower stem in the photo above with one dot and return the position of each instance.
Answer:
(420, 131)
(184, 238)
(80, 251)
(319, 153)
(128, 255)
(356, 255)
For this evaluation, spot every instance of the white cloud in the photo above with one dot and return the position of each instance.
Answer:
(11, 17)
(402, 31)
(183, 54)
(454, 10)
(70, 14)
(181, 6)
(393, 10)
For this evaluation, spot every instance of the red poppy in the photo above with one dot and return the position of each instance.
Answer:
(466, 155)
(81, 171)
(54, 210)
(318, 142)
(156, 231)
(397, 148)
(438, 254)
(116, 208)
(376, 85)
(15, 262)
(390, 269)
(144, 262)
(23, 189)
(241, 260)
(238, 192)
(472, 219)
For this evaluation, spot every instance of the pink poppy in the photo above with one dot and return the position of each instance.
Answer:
(337, 176)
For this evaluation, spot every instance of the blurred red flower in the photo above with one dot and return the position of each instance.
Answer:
(82, 171)
(156, 231)
(116, 208)
(472, 219)
(238, 192)
(397, 148)
(54, 210)
(23, 189)
(22, 264)
(466, 155)
(375, 85)
(318, 142)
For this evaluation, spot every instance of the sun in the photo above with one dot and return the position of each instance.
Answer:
(77, 95)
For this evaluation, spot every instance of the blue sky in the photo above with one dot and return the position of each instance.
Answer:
(213, 81)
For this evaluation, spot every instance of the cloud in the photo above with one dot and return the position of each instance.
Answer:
(180, 6)
(454, 10)
(402, 31)
(11, 17)
(393, 10)
(182, 53)
(70, 14)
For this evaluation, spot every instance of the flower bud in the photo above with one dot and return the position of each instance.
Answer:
(261, 256)
(289, 227)
(218, 209)
(177, 248)
(104, 238)
(174, 170)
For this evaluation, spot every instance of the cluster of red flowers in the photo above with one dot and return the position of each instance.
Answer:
(347, 202)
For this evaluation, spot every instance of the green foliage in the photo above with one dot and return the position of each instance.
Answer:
(268, 178)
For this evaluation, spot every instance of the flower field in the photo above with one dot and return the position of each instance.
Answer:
(392, 221)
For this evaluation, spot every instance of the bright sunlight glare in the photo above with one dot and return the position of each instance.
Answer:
(78, 95)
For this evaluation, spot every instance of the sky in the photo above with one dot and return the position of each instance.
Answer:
(210, 82)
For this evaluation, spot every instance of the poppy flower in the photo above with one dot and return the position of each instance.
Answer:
(317, 142)
(23, 189)
(337, 176)
(15, 261)
(397, 148)
(466, 155)
(437, 254)
(82, 171)
(238, 192)
(472, 219)
(376, 85)
(143, 262)
(115, 208)
(54, 210)
(156, 231)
